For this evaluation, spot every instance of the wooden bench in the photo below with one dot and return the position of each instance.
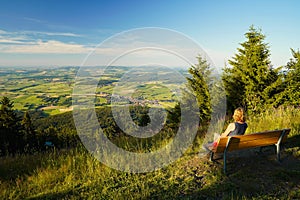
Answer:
(261, 139)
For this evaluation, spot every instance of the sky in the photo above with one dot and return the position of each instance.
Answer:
(64, 33)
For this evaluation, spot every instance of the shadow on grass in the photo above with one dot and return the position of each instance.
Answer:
(293, 141)
(77, 192)
(21, 165)
(12, 168)
(55, 195)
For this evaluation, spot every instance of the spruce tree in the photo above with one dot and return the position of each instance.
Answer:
(9, 127)
(291, 83)
(8, 117)
(29, 136)
(249, 77)
(199, 84)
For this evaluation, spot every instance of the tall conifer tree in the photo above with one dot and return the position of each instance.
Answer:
(29, 135)
(9, 127)
(291, 83)
(249, 77)
(199, 84)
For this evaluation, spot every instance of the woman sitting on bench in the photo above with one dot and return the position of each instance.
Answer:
(238, 127)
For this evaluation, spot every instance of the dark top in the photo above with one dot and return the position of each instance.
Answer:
(240, 129)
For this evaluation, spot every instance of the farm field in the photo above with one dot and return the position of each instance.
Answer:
(50, 89)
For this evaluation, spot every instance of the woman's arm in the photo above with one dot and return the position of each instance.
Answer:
(230, 128)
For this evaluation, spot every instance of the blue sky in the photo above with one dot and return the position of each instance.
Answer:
(59, 33)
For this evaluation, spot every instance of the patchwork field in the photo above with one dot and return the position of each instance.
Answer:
(50, 89)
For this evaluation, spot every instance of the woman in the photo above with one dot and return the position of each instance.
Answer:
(238, 127)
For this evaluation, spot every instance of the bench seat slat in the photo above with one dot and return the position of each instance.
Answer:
(250, 144)
(250, 141)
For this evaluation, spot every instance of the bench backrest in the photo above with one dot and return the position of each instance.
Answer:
(251, 140)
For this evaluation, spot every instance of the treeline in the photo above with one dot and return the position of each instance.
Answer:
(19, 132)
(32, 131)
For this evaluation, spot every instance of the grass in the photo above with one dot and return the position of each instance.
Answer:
(279, 118)
(75, 174)
(52, 111)
(20, 104)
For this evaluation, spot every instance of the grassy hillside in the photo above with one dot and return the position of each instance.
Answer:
(75, 174)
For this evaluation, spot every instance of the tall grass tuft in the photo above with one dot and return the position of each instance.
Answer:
(280, 118)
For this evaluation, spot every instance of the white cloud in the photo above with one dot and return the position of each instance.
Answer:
(51, 46)
(33, 20)
(66, 34)
(2, 32)
(11, 38)
(12, 41)
(30, 42)
(32, 35)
